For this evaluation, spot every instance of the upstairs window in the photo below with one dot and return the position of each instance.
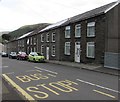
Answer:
(28, 41)
(53, 37)
(91, 29)
(42, 38)
(67, 48)
(47, 37)
(67, 32)
(78, 30)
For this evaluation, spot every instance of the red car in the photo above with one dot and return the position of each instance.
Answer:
(22, 56)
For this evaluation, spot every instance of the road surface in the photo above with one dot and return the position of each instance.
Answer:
(46, 81)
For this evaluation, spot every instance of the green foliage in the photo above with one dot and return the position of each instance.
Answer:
(6, 36)
(25, 29)
(0, 39)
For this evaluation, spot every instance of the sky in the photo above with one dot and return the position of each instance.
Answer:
(17, 13)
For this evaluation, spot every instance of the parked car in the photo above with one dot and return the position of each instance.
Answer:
(36, 57)
(22, 56)
(13, 55)
(4, 54)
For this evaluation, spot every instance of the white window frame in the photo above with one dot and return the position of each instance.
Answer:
(53, 50)
(42, 49)
(53, 37)
(90, 44)
(67, 31)
(77, 26)
(67, 44)
(89, 25)
(42, 38)
(47, 37)
(28, 41)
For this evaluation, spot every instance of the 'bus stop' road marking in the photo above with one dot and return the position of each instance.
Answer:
(46, 70)
(89, 83)
(23, 92)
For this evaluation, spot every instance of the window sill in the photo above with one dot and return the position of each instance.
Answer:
(53, 41)
(67, 54)
(91, 36)
(91, 57)
(77, 36)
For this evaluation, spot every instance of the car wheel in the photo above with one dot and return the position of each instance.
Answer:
(34, 60)
(17, 58)
(28, 59)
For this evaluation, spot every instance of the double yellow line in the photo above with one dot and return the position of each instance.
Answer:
(23, 92)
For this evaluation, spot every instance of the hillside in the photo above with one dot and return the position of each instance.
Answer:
(27, 28)
(1, 35)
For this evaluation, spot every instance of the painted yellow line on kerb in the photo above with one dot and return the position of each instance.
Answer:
(106, 94)
(23, 92)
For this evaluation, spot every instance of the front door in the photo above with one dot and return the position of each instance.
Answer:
(77, 51)
(47, 53)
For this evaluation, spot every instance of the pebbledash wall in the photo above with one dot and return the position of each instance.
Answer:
(85, 38)
(112, 38)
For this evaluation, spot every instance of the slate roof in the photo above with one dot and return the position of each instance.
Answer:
(80, 17)
(54, 25)
(83, 16)
(92, 13)
(24, 35)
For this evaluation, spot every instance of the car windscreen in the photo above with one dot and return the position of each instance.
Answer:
(13, 52)
(39, 54)
(34, 53)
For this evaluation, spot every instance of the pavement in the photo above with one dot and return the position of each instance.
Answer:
(8, 93)
(92, 67)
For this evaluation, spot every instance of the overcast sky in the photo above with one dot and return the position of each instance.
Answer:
(17, 13)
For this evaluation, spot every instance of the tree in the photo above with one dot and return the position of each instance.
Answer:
(6, 36)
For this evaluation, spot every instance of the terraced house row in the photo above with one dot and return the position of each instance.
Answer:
(91, 37)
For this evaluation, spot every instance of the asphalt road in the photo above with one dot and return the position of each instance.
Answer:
(46, 81)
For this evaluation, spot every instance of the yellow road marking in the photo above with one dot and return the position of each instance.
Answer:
(106, 94)
(24, 93)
